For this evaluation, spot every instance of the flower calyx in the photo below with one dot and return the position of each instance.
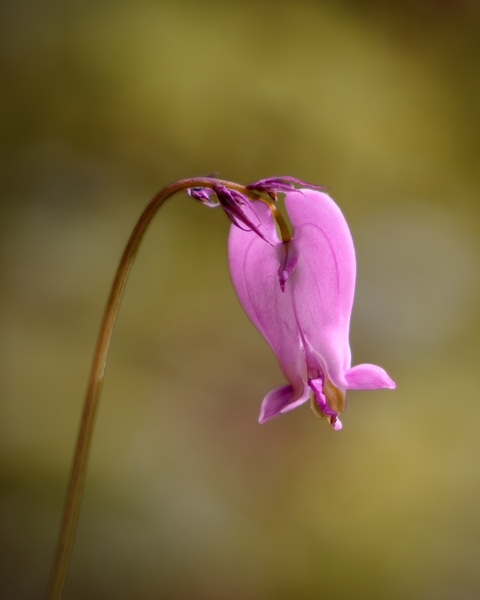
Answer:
(240, 209)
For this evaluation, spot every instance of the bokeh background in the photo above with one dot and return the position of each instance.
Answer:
(187, 496)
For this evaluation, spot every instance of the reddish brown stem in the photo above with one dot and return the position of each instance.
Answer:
(77, 475)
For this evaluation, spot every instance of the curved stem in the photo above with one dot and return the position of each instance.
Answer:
(77, 475)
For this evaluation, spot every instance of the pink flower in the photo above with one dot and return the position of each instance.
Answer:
(299, 296)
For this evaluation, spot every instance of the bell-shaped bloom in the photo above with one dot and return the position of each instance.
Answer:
(299, 295)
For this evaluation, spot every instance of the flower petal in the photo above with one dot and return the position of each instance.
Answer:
(368, 377)
(281, 400)
(254, 270)
(323, 281)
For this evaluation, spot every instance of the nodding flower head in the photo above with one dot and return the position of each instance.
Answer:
(299, 295)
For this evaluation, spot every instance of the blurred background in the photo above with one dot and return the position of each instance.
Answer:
(187, 496)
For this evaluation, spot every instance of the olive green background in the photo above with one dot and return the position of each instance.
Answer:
(187, 496)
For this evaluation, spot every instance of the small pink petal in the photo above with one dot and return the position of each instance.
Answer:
(368, 377)
(337, 425)
(281, 400)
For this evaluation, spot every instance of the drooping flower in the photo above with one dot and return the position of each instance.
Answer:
(299, 295)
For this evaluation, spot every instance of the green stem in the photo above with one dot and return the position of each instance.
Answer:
(77, 475)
